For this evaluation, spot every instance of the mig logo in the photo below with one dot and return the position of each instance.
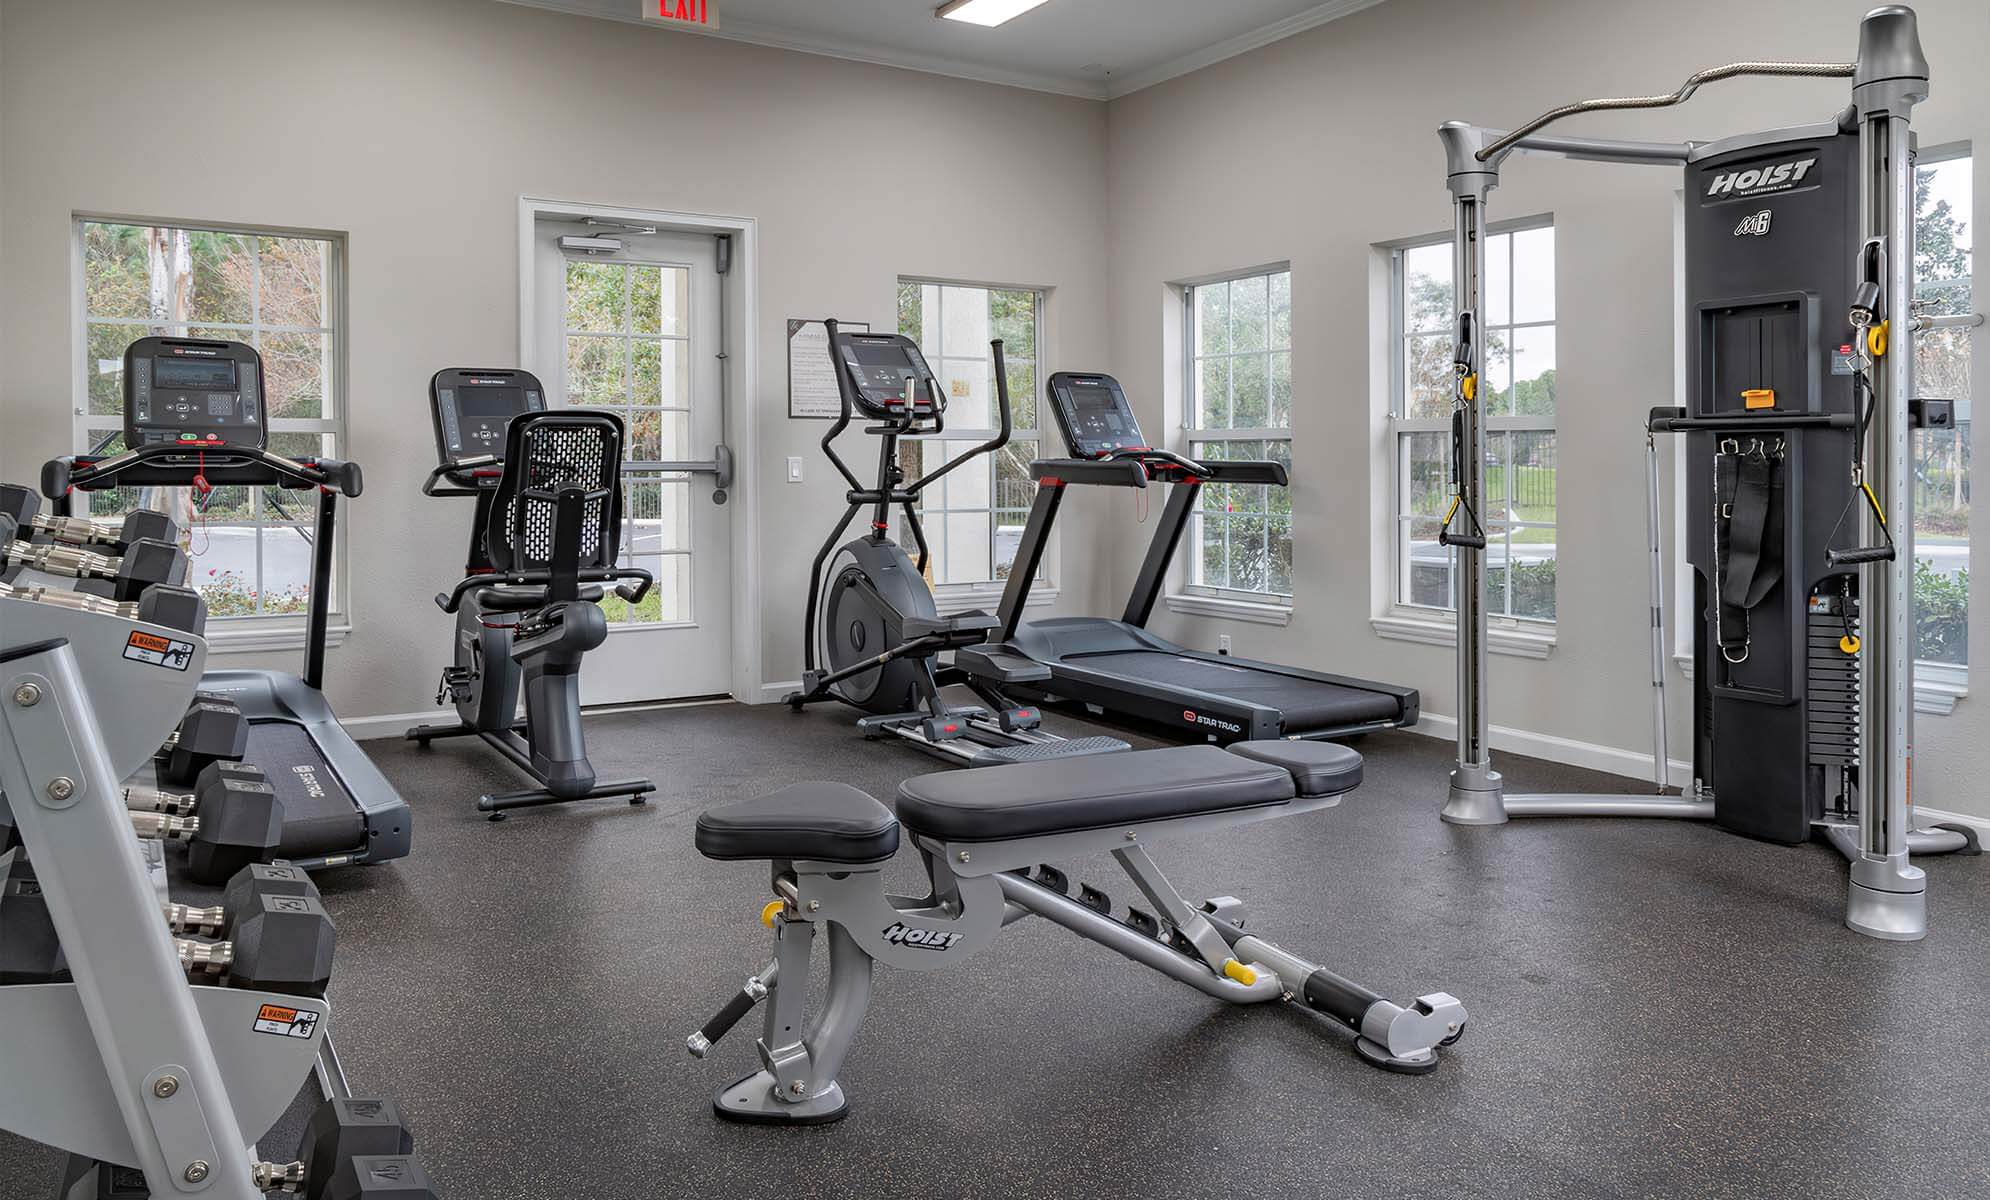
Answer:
(901, 934)
(1755, 226)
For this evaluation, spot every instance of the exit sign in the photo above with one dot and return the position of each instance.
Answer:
(698, 14)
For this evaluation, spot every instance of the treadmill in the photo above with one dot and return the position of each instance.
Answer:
(193, 419)
(1119, 669)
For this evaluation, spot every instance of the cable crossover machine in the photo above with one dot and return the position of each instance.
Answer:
(1801, 326)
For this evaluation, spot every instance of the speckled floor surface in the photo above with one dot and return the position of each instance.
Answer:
(1658, 1009)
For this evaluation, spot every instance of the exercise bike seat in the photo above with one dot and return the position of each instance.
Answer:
(961, 623)
(1068, 795)
(1317, 768)
(818, 821)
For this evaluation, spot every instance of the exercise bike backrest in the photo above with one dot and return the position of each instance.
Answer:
(549, 506)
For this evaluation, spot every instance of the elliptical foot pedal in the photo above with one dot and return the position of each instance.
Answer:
(750, 1101)
(1082, 747)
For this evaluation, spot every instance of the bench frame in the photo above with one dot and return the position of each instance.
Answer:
(978, 889)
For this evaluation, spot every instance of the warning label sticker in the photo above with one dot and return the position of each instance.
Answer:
(160, 652)
(286, 1022)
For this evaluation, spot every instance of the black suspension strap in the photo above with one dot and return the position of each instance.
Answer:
(1748, 535)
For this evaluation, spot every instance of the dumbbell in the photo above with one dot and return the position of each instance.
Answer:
(143, 563)
(215, 780)
(24, 505)
(278, 943)
(213, 730)
(161, 604)
(354, 1149)
(243, 895)
(278, 936)
(239, 823)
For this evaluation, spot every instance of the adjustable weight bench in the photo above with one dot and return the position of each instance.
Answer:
(984, 836)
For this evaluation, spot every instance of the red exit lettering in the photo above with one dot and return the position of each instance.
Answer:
(683, 12)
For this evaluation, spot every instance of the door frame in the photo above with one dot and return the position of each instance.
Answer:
(742, 365)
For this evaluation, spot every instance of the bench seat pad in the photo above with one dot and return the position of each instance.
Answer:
(826, 822)
(1066, 795)
(1318, 768)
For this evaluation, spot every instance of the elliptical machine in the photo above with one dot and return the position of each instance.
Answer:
(542, 545)
(872, 632)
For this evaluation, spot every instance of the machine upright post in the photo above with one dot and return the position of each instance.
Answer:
(1476, 796)
(1888, 894)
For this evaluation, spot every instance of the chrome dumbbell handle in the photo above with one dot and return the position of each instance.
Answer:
(165, 827)
(201, 922)
(206, 958)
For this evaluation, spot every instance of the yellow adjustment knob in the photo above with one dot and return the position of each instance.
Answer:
(772, 910)
(1239, 972)
(1849, 644)
(1469, 387)
(1876, 339)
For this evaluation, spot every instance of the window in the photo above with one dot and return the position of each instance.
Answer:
(974, 517)
(249, 548)
(1239, 342)
(1517, 390)
(1943, 248)
(628, 348)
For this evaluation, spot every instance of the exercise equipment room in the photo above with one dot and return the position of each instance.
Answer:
(654, 599)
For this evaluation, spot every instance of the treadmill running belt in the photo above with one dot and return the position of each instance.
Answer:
(319, 816)
(1306, 703)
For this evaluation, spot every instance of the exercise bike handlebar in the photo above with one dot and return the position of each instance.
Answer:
(449, 470)
(634, 586)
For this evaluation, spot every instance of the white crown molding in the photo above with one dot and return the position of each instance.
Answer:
(1109, 89)
(1243, 43)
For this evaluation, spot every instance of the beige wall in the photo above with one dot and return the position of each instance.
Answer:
(1310, 150)
(1317, 147)
(416, 127)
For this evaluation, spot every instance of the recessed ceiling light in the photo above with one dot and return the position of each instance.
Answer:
(985, 12)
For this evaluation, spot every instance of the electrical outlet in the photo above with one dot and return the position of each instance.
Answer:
(1222, 643)
(794, 468)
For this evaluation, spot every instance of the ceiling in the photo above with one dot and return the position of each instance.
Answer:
(1094, 48)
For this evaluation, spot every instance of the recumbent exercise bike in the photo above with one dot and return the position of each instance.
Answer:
(543, 546)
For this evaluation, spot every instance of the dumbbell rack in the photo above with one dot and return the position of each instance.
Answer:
(191, 1074)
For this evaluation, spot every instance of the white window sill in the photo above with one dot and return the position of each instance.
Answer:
(1255, 612)
(1500, 639)
(954, 598)
(259, 636)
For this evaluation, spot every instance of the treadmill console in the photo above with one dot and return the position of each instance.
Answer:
(474, 406)
(197, 393)
(875, 368)
(1093, 414)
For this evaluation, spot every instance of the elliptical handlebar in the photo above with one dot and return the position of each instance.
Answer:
(1003, 431)
(633, 586)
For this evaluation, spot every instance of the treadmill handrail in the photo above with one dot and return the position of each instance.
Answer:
(92, 472)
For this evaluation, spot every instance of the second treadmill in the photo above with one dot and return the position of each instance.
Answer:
(1118, 667)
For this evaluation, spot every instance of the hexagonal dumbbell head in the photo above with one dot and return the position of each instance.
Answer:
(283, 944)
(249, 885)
(380, 1177)
(342, 1129)
(240, 823)
(174, 607)
(212, 730)
(148, 561)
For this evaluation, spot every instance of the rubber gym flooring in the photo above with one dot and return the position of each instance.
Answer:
(1658, 1009)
